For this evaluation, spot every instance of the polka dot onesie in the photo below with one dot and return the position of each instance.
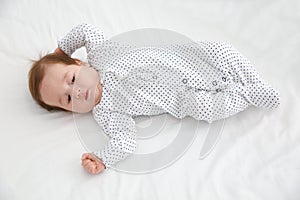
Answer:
(205, 80)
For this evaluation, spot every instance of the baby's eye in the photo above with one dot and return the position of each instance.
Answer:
(69, 99)
(73, 79)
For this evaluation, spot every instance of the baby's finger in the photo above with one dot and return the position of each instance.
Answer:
(94, 170)
(87, 167)
(91, 168)
(86, 162)
(97, 170)
(84, 156)
(90, 156)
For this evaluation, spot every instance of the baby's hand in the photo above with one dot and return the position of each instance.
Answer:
(59, 51)
(91, 163)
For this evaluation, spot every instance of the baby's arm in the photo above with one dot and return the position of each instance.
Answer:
(121, 128)
(81, 35)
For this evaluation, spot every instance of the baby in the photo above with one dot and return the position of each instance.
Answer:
(206, 80)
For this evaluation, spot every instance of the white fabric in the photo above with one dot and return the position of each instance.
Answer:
(257, 155)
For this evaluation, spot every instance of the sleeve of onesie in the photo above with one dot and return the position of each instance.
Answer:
(121, 129)
(86, 35)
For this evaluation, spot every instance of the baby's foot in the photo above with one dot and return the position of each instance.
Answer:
(263, 95)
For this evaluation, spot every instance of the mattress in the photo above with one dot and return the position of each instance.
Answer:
(251, 155)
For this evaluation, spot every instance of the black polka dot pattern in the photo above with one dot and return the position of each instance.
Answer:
(205, 80)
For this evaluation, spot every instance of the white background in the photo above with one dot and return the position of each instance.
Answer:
(257, 156)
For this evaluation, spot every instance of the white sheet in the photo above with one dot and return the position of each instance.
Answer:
(257, 156)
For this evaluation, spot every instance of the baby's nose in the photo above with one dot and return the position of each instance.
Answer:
(76, 92)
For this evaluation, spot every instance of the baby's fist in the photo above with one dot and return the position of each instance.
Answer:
(91, 163)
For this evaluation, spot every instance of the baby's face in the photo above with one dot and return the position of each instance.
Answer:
(75, 88)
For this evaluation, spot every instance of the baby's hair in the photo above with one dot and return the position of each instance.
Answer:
(37, 72)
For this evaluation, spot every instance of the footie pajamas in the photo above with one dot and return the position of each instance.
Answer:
(205, 80)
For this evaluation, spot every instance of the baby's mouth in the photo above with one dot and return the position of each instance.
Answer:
(86, 95)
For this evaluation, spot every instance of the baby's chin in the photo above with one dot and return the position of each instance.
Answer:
(83, 107)
(82, 111)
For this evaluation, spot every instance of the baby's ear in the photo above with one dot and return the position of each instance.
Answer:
(85, 64)
(78, 62)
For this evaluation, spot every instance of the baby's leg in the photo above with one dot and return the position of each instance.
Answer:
(227, 59)
(210, 106)
(263, 95)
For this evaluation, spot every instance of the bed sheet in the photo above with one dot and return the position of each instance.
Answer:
(256, 156)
